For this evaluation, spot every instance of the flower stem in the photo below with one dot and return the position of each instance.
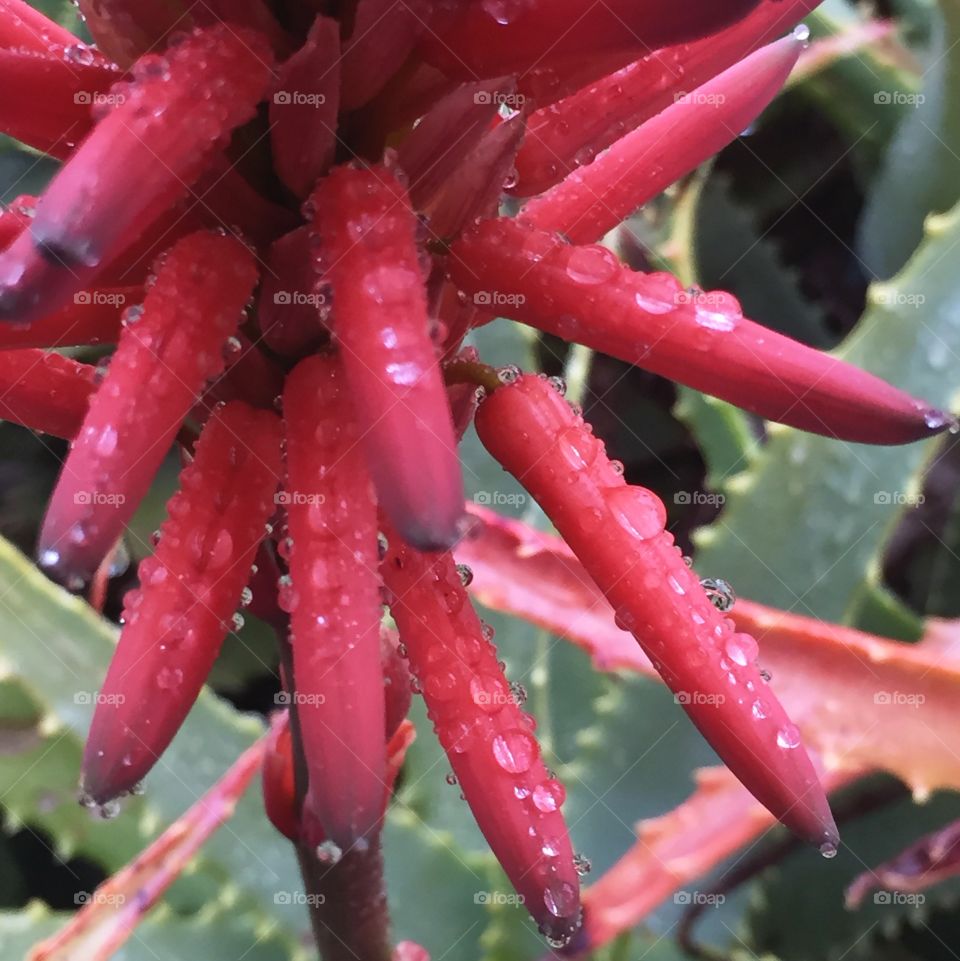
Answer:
(471, 372)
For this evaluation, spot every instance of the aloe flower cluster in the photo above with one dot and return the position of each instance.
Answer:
(286, 219)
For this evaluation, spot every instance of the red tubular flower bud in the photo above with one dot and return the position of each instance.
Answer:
(124, 29)
(561, 135)
(617, 532)
(94, 317)
(46, 392)
(190, 589)
(480, 41)
(368, 232)
(156, 374)
(22, 27)
(488, 738)
(334, 605)
(55, 94)
(596, 198)
(303, 112)
(584, 294)
(138, 161)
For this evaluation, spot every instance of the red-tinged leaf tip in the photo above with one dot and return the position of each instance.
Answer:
(189, 590)
(595, 198)
(46, 392)
(617, 532)
(488, 739)
(333, 598)
(304, 107)
(483, 40)
(277, 778)
(562, 136)
(585, 295)
(369, 253)
(159, 134)
(169, 349)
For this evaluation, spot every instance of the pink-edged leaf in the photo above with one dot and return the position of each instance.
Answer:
(617, 532)
(161, 364)
(380, 317)
(111, 916)
(559, 136)
(488, 739)
(189, 590)
(333, 599)
(138, 161)
(675, 850)
(584, 294)
(43, 391)
(595, 198)
(303, 110)
(932, 859)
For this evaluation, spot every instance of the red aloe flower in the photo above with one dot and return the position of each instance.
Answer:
(700, 339)
(488, 739)
(333, 599)
(190, 589)
(169, 349)
(710, 667)
(368, 231)
(367, 292)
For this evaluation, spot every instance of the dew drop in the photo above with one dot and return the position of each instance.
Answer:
(560, 898)
(719, 592)
(509, 374)
(582, 864)
(451, 779)
(465, 575)
(329, 853)
(107, 441)
(829, 849)
(549, 796)
(758, 709)
(237, 622)
(639, 512)
(741, 649)
(514, 751)
(788, 737)
(169, 678)
(591, 265)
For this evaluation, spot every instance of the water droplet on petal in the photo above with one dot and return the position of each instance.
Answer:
(638, 511)
(788, 737)
(514, 751)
